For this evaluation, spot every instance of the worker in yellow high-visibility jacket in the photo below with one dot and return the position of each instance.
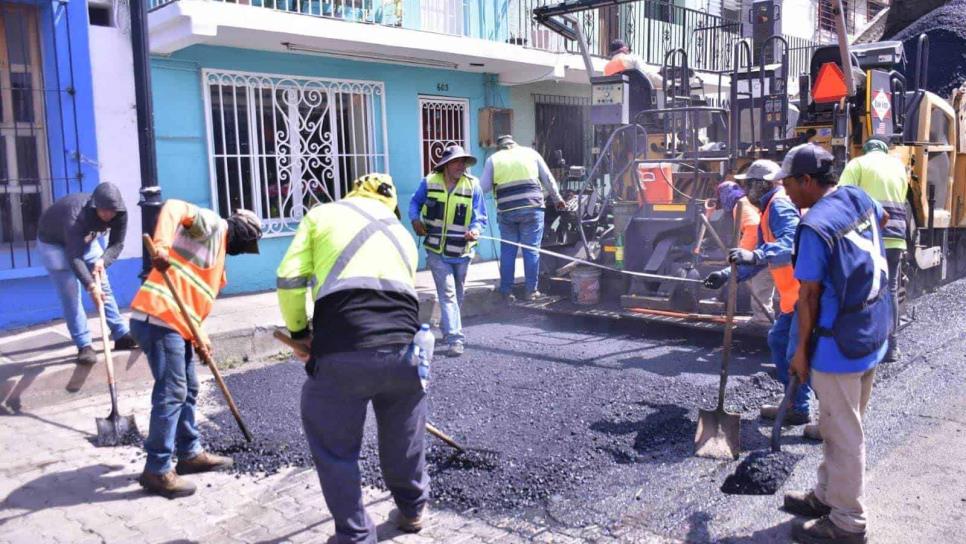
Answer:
(361, 263)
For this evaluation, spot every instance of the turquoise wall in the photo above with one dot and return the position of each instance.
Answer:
(183, 169)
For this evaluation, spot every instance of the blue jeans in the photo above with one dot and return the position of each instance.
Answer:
(523, 226)
(783, 340)
(173, 398)
(449, 278)
(69, 291)
(334, 404)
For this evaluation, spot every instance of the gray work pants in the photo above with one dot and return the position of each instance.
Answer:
(334, 403)
(894, 260)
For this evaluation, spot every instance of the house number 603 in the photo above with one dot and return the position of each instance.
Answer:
(442, 86)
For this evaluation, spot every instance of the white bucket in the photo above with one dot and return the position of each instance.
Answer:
(585, 285)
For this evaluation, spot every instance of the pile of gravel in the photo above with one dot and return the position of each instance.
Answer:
(946, 28)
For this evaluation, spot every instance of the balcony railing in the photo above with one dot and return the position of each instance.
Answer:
(650, 27)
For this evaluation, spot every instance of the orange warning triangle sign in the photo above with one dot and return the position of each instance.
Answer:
(830, 84)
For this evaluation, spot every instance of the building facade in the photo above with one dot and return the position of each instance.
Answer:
(67, 124)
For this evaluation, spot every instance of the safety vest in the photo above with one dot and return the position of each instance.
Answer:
(884, 177)
(447, 215)
(354, 243)
(516, 179)
(197, 273)
(782, 274)
(857, 270)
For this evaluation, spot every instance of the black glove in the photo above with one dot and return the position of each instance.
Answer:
(742, 256)
(716, 280)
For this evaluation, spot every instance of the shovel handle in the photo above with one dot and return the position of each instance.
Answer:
(776, 430)
(717, 239)
(105, 343)
(729, 316)
(205, 356)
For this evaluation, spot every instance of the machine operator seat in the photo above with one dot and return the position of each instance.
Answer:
(643, 95)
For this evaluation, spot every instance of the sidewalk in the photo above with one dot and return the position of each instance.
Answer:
(37, 363)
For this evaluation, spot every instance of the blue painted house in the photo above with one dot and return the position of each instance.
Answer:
(65, 126)
(277, 106)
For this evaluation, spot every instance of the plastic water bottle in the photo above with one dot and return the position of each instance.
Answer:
(424, 343)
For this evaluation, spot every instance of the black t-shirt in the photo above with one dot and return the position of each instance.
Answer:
(357, 319)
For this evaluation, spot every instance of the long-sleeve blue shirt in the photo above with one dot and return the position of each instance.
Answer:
(783, 220)
(477, 219)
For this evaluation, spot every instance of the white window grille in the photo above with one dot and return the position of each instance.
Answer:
(442, 122)
(443, 16)
(280, 145)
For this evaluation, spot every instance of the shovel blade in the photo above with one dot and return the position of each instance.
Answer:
(114, 429)
(718, 435)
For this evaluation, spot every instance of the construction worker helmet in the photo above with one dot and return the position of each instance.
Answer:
(376, 186)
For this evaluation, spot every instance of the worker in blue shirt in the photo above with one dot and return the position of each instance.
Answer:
(844, 318)
(773, 250)
(449, 211)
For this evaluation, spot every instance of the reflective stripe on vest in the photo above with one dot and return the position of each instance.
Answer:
(333, 283)
(196, 286)
(896, 225)
(447, 215)
(516, 179)
(783, 274)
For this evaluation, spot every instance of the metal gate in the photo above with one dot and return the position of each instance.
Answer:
(442, 122)
(561, 124)
(25, 184)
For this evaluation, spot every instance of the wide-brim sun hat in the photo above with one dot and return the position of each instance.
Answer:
(453, 153)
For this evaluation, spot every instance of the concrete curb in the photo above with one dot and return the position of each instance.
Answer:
(57, 379)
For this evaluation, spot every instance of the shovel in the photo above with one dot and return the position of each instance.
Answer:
(718, 431)
(205, 355)
(113, 429)
(430, 428)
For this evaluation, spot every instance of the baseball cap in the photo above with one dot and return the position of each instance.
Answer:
(803, 159)
(615, 46)
(759, 169)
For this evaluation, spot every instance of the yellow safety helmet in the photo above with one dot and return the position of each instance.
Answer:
(377, 186)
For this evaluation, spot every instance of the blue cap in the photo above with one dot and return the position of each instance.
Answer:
(803, 159)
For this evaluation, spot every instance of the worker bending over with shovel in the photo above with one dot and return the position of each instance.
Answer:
(362, 261)
(191, 244)
(844, 314)
(448, 209)
(70, 250)
(775, 239)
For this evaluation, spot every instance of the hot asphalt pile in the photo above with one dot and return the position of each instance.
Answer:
(946, 28)
(561, 405)
(762, 472)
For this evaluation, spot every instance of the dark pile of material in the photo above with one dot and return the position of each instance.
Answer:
(568, 409)
(946, 28)
(761, 473)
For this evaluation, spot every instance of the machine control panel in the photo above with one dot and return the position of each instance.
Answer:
(609, 103)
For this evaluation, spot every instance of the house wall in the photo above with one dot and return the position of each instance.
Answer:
(183, 164)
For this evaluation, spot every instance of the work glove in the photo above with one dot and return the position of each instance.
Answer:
(716, 280)
(742, 256)
(419, 228)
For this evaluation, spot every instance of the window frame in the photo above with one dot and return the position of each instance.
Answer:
(252, 82)
(424, 99)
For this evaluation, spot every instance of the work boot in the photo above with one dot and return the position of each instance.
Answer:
(811, 432)
(203, 462)
(86, 356)
(508, 297)
(769, 411)
(411, 525)
(792, 417)
(892, 355)
(532, 295)
(805, 504)
(125, 343)
(168, 485)
(824, 531)
(455, 350)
